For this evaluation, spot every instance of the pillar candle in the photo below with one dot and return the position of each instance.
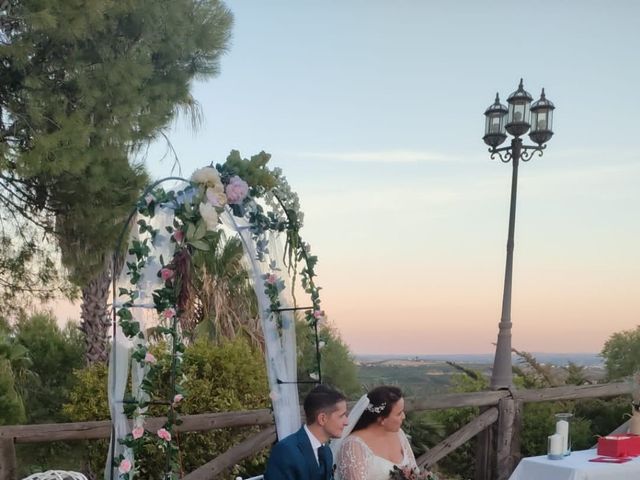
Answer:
(562, 428)
(555, 444)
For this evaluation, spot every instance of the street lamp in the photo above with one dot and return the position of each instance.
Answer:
(516, 120)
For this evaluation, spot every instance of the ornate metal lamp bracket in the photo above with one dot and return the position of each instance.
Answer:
(506, 158)
(526, 152)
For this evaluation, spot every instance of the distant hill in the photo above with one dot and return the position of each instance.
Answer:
(420, 375)
(559, 359)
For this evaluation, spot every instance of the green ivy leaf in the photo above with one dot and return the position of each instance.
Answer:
(130, 329)
(191, 230)
(200, 230)
(200, 245)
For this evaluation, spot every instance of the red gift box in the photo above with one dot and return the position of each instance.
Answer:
(622, 445)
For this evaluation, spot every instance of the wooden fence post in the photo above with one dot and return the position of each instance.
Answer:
(484, 454)
(506, 418)
(8, 463)
(516, 444)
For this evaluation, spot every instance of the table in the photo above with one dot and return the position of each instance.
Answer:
(575, 467)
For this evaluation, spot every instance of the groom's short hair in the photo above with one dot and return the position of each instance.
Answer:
(321, 399)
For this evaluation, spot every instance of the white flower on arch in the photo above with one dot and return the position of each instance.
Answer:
(209, 215)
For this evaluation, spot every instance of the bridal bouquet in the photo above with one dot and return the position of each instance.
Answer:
(409, 473)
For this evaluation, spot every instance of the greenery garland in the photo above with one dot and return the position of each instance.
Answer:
(236, 185)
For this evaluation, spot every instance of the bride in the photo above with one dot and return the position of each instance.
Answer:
(373, 442)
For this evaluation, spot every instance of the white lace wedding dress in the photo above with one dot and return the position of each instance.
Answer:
(356, 461)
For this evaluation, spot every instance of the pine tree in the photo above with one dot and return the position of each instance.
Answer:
(84, 84)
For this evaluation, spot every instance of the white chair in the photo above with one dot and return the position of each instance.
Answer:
(56, 475)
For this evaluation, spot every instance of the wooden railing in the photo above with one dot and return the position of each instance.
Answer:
(54, 432)
(501, 414)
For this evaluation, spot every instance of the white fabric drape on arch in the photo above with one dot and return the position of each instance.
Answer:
(143, 312)
(280, 344)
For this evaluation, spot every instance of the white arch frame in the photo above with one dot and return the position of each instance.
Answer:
(278, 327)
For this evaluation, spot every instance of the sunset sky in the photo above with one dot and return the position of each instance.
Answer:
(373, 109)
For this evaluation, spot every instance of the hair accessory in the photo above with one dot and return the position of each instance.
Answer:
(378, 409)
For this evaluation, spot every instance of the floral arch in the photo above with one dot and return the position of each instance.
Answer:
(240, 197)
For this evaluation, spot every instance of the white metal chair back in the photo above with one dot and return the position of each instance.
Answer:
(56, 475)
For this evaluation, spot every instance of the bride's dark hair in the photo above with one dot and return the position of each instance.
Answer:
(381, 401)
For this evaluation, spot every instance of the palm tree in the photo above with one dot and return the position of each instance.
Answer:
(94, 315)
(87, 248)
(223, 304)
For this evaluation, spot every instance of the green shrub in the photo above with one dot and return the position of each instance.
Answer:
(539, 422)
(218, 378)
(88, 402)
(605, 414)
(11, 407)
(228, 377)
(55, 353)
(338, 367)
(43, 357)
(621, 353)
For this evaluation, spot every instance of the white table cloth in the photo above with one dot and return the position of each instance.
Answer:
(575, 467)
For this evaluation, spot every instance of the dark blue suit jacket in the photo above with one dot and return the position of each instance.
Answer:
(293, 459)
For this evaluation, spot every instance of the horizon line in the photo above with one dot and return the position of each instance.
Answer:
(488, 353)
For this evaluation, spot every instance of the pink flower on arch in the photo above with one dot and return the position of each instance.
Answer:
(150, 359)
(125, 466)
(166, 274)
(177, 398)
(271, 279)
(178, 236)
(320, 317)
(164, 434)
(237, 190)
(137, 432)
(169, 313)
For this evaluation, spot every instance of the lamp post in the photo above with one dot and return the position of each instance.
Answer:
(520, 116)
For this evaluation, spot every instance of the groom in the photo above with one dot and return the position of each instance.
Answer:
(303, 455)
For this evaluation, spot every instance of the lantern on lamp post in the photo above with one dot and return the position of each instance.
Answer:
(494, 127)
(541, 120)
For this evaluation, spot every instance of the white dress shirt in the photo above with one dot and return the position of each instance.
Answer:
(315, 443)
